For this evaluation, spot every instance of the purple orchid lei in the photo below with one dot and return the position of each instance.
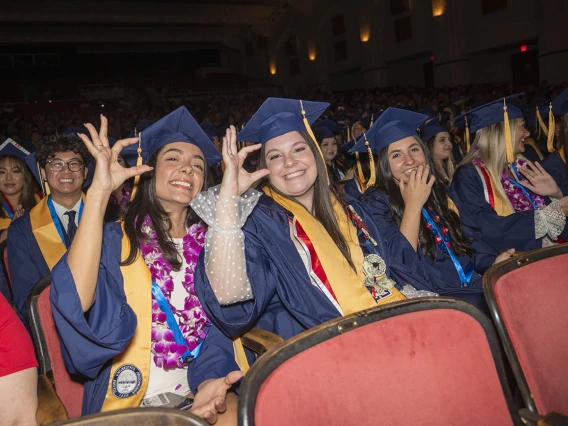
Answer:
(126, 195)
(516, 196)
(192, 319)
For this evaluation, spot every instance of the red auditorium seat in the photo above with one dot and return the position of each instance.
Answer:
(528, 299)
(422, 362)
(48, 350)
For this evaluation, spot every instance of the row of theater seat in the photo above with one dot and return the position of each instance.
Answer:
(423, 362)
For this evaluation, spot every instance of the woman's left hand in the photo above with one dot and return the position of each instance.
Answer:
(539, 181)
(504, 256)
(210, 400)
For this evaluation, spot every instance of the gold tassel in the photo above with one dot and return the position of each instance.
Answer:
(508, 138)
(467, 136)
(551, 130)
(348, 134)
(541, 122)
(43, 183)
(138, 163)
(311, 133)
(360, 174)
(372, 179)
(372, 117)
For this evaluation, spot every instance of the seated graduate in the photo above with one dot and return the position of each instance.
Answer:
(557, 134)
(38, 239)
(19, 190)
(437, 139)
(412, 209)
(126, 311)
(513, 202)
(325, 131)
(293, 256)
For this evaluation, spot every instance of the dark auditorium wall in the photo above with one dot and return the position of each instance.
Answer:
(387, 42)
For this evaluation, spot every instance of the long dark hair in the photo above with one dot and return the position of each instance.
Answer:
(27, 200)
(438, 200)
(145, 202)
(323, 208)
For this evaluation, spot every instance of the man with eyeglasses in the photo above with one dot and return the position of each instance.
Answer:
(37, 240)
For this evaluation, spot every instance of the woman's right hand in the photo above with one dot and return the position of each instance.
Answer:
(237, 180)
(109, 174)
(416, 190)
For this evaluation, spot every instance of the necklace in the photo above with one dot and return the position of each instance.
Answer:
(192, 319)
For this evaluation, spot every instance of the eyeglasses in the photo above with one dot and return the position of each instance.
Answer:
(58, 165)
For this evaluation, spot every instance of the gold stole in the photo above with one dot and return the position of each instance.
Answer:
(131, 369)
(502, 207)
(347, 285)
(46, 235)
(5, 221)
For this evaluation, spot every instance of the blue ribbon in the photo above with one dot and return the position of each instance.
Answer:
(465, 277)
(7, 209)
(164, 305)
(521, 187)
(56, 220)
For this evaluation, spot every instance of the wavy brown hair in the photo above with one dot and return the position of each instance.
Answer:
(438, 200)
(146, 202)
(323, 208)
(29, 189)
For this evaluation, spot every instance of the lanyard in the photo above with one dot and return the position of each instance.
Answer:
(188, 355)
(521, 187)
(7, 208)
(465, 277)
(56, 220)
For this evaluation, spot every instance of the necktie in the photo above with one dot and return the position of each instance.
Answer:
(71, 228)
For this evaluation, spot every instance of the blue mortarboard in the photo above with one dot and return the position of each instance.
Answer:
(75, 130)
(278, 116)
(560, 103)
(325, 129)
(348, 146)
(393, 125)
(488, 114)
(142, 125)
(431, 129)
(429, 111)
(177, 126)
(210, 130)
(31, 161)
(11, 147)
(530, 113)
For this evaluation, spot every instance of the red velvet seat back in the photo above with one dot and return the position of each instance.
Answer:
(69, 391)
(424, 368)
(533, 302)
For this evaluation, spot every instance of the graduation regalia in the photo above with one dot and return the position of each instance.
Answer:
(556, 166)
(285, 301)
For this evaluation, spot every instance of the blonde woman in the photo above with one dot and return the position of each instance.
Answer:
(512, 202)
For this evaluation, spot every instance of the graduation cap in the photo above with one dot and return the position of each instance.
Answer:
(431, 129)
(393, 125)
(142, 125)
(492, 113)
(177, 126)
(278, 116)
(429, 111)
(75, 130)
(11, 147)
(325, 129)
(560, 103)
(210, 130)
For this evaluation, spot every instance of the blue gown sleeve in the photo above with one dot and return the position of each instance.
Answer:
(500, 232)
(554, 165)
(237, 318)
(26, 263)
(88, 342)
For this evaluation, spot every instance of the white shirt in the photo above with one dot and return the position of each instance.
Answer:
(173, 380)
(63, 218)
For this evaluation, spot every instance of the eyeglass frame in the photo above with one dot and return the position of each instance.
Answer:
(65, 163)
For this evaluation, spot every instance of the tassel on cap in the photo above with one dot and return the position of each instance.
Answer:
(44, 185)
(311, 133)
(467, 136)
(138, 163)
(360, 174)
(541, 125)
(372, 179)
(551, 129)
(508, 138)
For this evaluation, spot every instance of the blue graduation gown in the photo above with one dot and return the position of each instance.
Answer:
(285, 301)
(26, 263)
(351, 188)
(440, 272)
(90, 342)
(501, 232)
(557, 168)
